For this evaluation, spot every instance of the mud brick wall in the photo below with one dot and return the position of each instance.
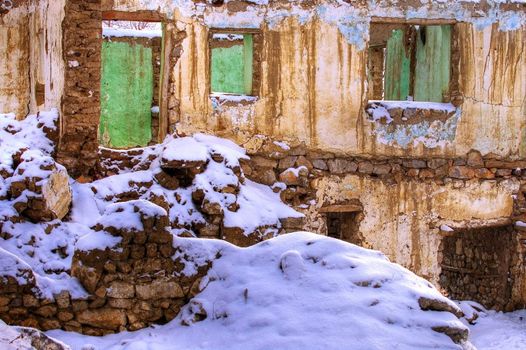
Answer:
(82, 33)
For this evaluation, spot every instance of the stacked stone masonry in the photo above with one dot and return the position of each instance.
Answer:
(82, 35)
(132, 285)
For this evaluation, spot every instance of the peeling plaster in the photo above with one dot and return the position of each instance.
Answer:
(432, 134)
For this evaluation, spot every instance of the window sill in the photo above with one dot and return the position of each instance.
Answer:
(408, 112)
(232, 100)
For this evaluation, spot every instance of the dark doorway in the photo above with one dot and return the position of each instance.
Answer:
(476, 265)
(345, 225)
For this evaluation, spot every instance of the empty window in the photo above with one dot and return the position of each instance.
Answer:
(232, 56)
(409, 62)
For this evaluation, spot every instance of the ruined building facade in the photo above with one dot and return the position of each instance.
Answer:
(434, 178)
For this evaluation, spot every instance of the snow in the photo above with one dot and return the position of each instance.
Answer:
(22, 338)
(135, 33)
(223, 97)
(500, 331)
(439, 106)
(297, 291)
(97, 240)
(259, 206)
(446, 228)
(185, 149)
(11, 265)
(227, 37)
(282, 145)
(127, 215)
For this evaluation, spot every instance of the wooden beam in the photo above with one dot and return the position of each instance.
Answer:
(164, 87)
(140, 16)
(341, 208)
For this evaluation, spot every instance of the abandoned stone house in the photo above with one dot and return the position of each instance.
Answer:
(396, 125)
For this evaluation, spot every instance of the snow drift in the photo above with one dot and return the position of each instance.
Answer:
(299, 291)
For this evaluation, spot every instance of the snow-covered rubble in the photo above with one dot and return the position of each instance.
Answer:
(299, 291)
(22, 338)
(294, 291)
(210, 195)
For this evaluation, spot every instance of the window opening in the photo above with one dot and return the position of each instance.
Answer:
(130, 83)
(232, 56)
(409, 62)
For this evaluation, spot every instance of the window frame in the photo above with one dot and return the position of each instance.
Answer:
(257, 40)
(453, 94)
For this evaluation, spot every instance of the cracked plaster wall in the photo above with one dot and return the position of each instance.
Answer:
(31, 47)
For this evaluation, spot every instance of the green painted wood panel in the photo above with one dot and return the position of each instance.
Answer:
(397, 68)
(232, 68)
(126, 95)
(433, 62)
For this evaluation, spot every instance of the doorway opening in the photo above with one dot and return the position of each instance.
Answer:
(475, 265)
(343, 222)
(131, 70)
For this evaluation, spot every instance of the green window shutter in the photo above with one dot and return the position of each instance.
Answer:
(248, 56)
(433, 61)
(126, 95)
(231, 68)
(397, 68)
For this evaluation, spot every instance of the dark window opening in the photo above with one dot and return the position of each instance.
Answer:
(475, 265)
(409, 62)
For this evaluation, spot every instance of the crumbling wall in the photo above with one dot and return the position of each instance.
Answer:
(82, 35)
(406, 205)
(135, 278)
(31, 47)
(14, 53)
(313, 89)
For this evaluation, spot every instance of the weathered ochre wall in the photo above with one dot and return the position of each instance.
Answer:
(14, 55)
(402, 219)
(31, 53)
(313, 88)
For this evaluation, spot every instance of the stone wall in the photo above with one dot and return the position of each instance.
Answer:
(132, 284)
(401, 203)
(82, 35)
(476, 265)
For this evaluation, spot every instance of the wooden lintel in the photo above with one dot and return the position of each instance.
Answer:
(141, 16)
(341, 208)
(421, 21)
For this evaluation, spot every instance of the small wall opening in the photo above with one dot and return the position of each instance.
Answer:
(475, 265)
(131, 71)
(343, 222)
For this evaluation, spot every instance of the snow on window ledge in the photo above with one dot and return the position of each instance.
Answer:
(134, 33)
(232, 99)
(408, 111)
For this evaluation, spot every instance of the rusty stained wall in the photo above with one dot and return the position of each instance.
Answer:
(313, 88)
(31, 44)
(402, 220)
(14, 55)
